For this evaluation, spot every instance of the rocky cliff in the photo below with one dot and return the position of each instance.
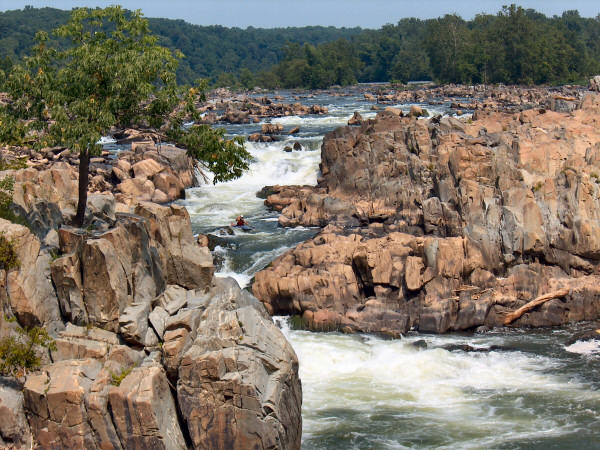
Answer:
(151, 351)
(446, 223)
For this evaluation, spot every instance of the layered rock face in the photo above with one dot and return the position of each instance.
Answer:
(446, 224)
(151, 351)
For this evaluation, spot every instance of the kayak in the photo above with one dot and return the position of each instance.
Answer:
(242, 227)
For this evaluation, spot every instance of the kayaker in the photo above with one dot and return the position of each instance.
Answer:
(240, 222)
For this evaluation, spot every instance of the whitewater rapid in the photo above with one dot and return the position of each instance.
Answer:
(368, 392)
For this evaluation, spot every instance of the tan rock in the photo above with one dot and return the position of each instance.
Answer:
(140, 189)
(55, 401)
(66, 276)
(32, 297)
(170, 185)
(187, 264)
(414, 269)
(144, 411)
(104, 284)
(146, 169)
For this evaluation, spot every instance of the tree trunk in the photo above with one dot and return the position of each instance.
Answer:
(84, 170)
(511, 317)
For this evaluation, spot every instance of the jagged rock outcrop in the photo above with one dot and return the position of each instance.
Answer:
(455, 223)
(135, 313)
(153, 173)
(46, 192)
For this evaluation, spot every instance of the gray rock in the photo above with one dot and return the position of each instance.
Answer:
(241, 372)
(14, 428)
(158, 319)
(133, 323)
(66, 276)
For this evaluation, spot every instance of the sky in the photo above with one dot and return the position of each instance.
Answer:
(284, 13)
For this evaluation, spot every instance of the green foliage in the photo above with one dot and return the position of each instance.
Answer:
(7, 186)
(516, 45)
(117, 378)
(19, 354)
(209, 50)
(247, 79)
(8, 254)
(333, 63)
(13, 164)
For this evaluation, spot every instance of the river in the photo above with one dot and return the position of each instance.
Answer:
(365, 392)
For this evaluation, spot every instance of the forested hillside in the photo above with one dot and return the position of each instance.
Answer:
(514, 46)
(210, 51)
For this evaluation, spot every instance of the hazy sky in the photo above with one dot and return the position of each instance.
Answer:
(339, 13)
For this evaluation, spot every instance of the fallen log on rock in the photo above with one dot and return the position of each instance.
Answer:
(511, 317)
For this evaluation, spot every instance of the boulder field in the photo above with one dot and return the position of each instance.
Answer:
(152, 351)
(446, 224)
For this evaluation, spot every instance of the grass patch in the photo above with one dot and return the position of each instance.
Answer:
(117, 378)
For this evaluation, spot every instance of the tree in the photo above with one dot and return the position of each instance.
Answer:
(447, 45)
(247, 79)
(113, 75)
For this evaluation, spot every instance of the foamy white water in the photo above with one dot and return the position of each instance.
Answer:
(585, 347)
(367, 392)
(213, 205)
(213, 208)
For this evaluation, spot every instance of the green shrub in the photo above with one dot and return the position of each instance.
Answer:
(19, 354)
(13, 164)
(8, 253)
(117, 378)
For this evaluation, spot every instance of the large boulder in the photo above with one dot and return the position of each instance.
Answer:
(238, 384)
(187, 264)
(144, 412)
(55, 401)
(104, 283)
(32, 297)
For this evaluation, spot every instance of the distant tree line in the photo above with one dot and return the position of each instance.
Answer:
(514, 46)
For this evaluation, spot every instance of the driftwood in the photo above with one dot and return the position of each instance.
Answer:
(511, 317)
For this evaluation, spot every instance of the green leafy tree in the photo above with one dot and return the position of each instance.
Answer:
(247, 79)
(447, 44)
(114, 74)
